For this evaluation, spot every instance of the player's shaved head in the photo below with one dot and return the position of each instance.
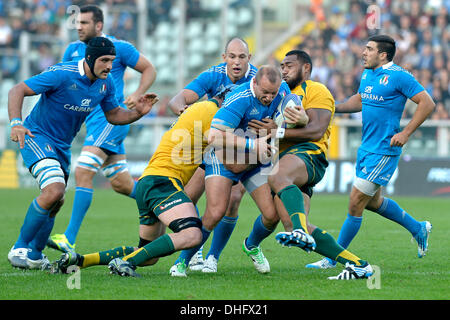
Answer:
(270, 72)
(236, 41)
(237, 58)
(266, 84)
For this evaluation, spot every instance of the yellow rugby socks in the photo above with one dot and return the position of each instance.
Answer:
(103, 257)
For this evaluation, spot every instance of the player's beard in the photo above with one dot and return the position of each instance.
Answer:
(295, 81)
(89, 36)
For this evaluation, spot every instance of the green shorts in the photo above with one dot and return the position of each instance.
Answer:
(157, 194)
(315, 160)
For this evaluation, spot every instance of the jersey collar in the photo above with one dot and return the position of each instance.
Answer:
(248, 70)
(251, 88)
(80, 67)
(387, 65)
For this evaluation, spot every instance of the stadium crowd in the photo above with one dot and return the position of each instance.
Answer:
(421, 29)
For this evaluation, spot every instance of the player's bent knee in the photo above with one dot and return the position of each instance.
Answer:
(56, 207)
(47, 172)
(89, 161)
(112, 170)
(191, 229)
(120, 187)
(275, 182)
(192, 237)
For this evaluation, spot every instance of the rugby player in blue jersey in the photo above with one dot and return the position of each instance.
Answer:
(235, 70)
(103, 147)
(69, 93)
(254, 100)
(382, 94)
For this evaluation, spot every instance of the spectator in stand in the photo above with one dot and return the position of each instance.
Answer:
(5, 33)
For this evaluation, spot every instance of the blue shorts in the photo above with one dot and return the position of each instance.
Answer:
(102, 134)
(213, 167)
(376, 168)
(41, 147)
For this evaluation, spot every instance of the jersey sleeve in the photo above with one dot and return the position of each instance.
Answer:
(319, 98)
(130, 55)
(67, 54)
(109, 102)
(48, 80)
(231, 113)
(360, 88)
(408, 85)
(202, 84)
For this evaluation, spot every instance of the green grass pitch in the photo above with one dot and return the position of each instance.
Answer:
(112, 221)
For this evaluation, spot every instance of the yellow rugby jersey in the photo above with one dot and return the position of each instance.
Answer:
(181, 149)
(314, 95)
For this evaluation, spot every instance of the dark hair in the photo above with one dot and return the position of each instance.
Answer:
(97, 13)
(302, 56)
(385, 44)
(272, 73)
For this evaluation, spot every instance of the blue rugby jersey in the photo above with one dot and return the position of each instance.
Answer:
(126, 56)
(384, 92)
(213, 80)
(67, 97)
(241, 106)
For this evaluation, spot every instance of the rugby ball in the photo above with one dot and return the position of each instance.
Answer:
(289, 101)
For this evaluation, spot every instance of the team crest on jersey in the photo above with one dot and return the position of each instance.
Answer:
(48, 148)
(103, 88)
(384, 80)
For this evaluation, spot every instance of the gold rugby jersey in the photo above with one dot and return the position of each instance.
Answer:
(181, 149)
(314, 95)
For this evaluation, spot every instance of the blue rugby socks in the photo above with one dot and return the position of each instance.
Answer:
(81, 204)
(35, 218)
(258, 234)
(40, 240)
(187, 254)
(222, 233)
(392, 211)
(349, 230)
(133, 192)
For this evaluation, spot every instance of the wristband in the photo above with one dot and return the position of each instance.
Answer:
(16, 122)
(280, 133)
(249, 144)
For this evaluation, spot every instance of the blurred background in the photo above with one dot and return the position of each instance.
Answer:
(182, 38)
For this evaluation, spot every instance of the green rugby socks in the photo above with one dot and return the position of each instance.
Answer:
(292, 198)
(327, 246)
(163, 246)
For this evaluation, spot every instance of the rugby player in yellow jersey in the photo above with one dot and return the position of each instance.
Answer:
(302, 164)
(160, 197)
